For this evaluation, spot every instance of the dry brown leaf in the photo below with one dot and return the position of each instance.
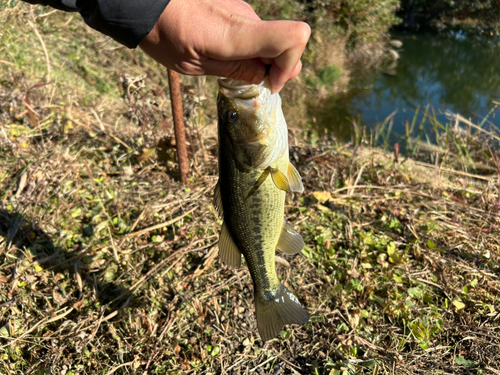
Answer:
(58, 298)
(79, 305)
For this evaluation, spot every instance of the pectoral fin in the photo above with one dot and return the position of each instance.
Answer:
(294, 179)
(290, 241)
(218, 199)
(259, 182)
(279, 179)
(291, 182)
(228, 251)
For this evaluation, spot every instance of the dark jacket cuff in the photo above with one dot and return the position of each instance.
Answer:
(126, 21)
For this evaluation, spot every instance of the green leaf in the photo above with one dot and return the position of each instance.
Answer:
(395, 223)
(76, 212)
(397, 278)
(473, 283)
(4, 331)
(146, 154)
(416, 329)
(458, 304)
(322, 196)
(427, 298)
(157, 239)
(397, 257)
(356, 284)
(461, 361)
(415, 292)
(424, 345)
(391, 248)
(110, 274)
(369, 241)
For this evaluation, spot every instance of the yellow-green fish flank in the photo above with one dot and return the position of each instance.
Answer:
(254, 175)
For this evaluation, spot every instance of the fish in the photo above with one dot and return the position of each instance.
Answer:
(255, 174)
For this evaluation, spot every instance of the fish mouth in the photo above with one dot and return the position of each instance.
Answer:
(248, 96)
(230, 83)
(237, 89)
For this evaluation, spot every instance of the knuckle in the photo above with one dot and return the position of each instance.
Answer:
(248, 7)
(302, 33)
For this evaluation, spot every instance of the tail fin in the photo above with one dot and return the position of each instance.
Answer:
(273, 314)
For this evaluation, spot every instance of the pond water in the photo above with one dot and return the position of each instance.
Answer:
(451, 71)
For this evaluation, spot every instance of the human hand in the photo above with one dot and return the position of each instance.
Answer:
(226, 38)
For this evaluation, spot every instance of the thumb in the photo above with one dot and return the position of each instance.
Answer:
(278, 77)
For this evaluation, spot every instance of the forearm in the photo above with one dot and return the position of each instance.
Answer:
(126, 21)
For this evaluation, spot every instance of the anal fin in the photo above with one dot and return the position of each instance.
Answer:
(273, 314)
(228, 251)
(290, 241)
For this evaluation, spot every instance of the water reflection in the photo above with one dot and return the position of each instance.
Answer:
(451, 71)
(334, 113)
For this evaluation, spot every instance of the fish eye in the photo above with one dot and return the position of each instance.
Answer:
(231, 116)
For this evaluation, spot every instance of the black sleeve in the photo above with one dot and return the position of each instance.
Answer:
(126, 21)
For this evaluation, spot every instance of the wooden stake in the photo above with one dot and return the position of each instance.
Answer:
(180, 132)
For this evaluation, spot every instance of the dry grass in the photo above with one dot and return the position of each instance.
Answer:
(112, 269)
(109, 265)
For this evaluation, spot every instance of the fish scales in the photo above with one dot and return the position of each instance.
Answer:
(254, 175)
(256, 223)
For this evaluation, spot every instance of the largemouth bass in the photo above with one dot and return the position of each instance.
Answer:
(254, 175)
